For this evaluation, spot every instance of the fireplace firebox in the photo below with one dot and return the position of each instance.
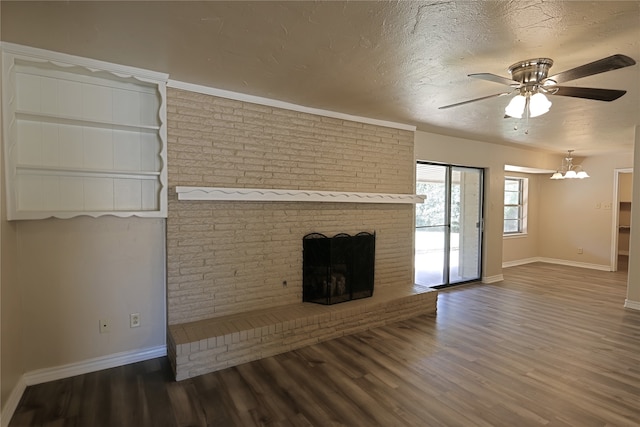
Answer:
(339, 268)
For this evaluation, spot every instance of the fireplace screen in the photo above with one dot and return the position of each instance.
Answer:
(338, 268)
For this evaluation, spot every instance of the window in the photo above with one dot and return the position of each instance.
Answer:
(515, 206)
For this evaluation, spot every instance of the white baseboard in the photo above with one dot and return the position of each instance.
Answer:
(493, 279)
(520, 262)
(92, 365)
(634, 305)
(556, 261)
(12, 403)
(65, 371)
(576, 264)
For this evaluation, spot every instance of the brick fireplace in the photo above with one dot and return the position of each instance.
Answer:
(229, 258)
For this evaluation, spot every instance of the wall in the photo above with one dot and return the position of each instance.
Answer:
(578, 213)
(11, 352)
(12, 357)
(492, 157)
(230, 257)
(633, 287)
(75, 272)
(525, 247)
(568, 217)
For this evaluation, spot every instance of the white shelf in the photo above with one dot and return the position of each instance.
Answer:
(74, 121)
(79, 172)
(281, 195)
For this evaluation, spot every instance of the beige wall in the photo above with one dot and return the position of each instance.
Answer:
(523, 247)
(633, 288)
(492, 157)
(232, 257)
(12, 356)
(579, 213)
(566, 213)
(75, 272)
(11, 352)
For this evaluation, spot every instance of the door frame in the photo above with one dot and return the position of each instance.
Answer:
(480, 224)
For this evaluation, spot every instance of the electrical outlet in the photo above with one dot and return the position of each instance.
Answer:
(105, 326)
(579, 250)
(134, 320)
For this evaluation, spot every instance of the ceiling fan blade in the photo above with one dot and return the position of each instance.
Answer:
(495, 78)
(495, 95)
(609, 63)
(587, 93)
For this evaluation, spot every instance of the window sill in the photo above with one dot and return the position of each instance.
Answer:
(515, 236)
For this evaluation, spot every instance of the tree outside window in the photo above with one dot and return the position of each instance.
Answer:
(432, 211)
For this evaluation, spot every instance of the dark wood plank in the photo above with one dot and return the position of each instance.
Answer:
(549, 346)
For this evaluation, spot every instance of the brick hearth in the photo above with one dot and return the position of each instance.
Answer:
(209, 345)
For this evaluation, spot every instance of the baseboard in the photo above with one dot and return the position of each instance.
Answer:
(56, 373)
(633, 305)
(92, 365)
(517, 262)
(493, 279)
(576, 264)
(12, 403)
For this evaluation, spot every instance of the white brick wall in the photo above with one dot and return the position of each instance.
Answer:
(231, 257)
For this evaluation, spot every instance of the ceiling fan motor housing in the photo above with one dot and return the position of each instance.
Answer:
(530, 73)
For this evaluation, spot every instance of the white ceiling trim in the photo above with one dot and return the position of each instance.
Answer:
(284, 105)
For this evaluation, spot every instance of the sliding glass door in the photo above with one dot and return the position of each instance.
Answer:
(448, 238)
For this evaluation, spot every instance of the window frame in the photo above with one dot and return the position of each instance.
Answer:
(523, 206)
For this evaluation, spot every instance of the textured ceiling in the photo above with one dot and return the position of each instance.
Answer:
(396, 61)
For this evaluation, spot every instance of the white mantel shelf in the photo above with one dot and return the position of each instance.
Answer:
(277, 195)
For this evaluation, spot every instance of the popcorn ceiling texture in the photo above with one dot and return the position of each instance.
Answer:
(232, 257)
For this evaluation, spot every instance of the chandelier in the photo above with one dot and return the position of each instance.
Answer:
(568, 170)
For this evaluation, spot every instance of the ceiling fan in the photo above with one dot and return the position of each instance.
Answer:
(530, 80)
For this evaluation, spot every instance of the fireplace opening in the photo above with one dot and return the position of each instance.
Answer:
(338, 268)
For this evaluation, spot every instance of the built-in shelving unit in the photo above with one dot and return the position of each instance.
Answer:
(624, 227)
(82, 137)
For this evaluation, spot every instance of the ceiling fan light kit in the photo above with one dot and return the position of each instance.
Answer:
(568, 170)
(530, 81)
(534, 105)
(538, 105)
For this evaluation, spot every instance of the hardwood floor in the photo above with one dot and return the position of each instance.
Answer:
(551, 345)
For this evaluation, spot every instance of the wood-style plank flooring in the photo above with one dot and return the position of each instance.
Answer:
(549, 346)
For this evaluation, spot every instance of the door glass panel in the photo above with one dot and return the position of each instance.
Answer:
(430, 256)
(431, 225)
(466, 211)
